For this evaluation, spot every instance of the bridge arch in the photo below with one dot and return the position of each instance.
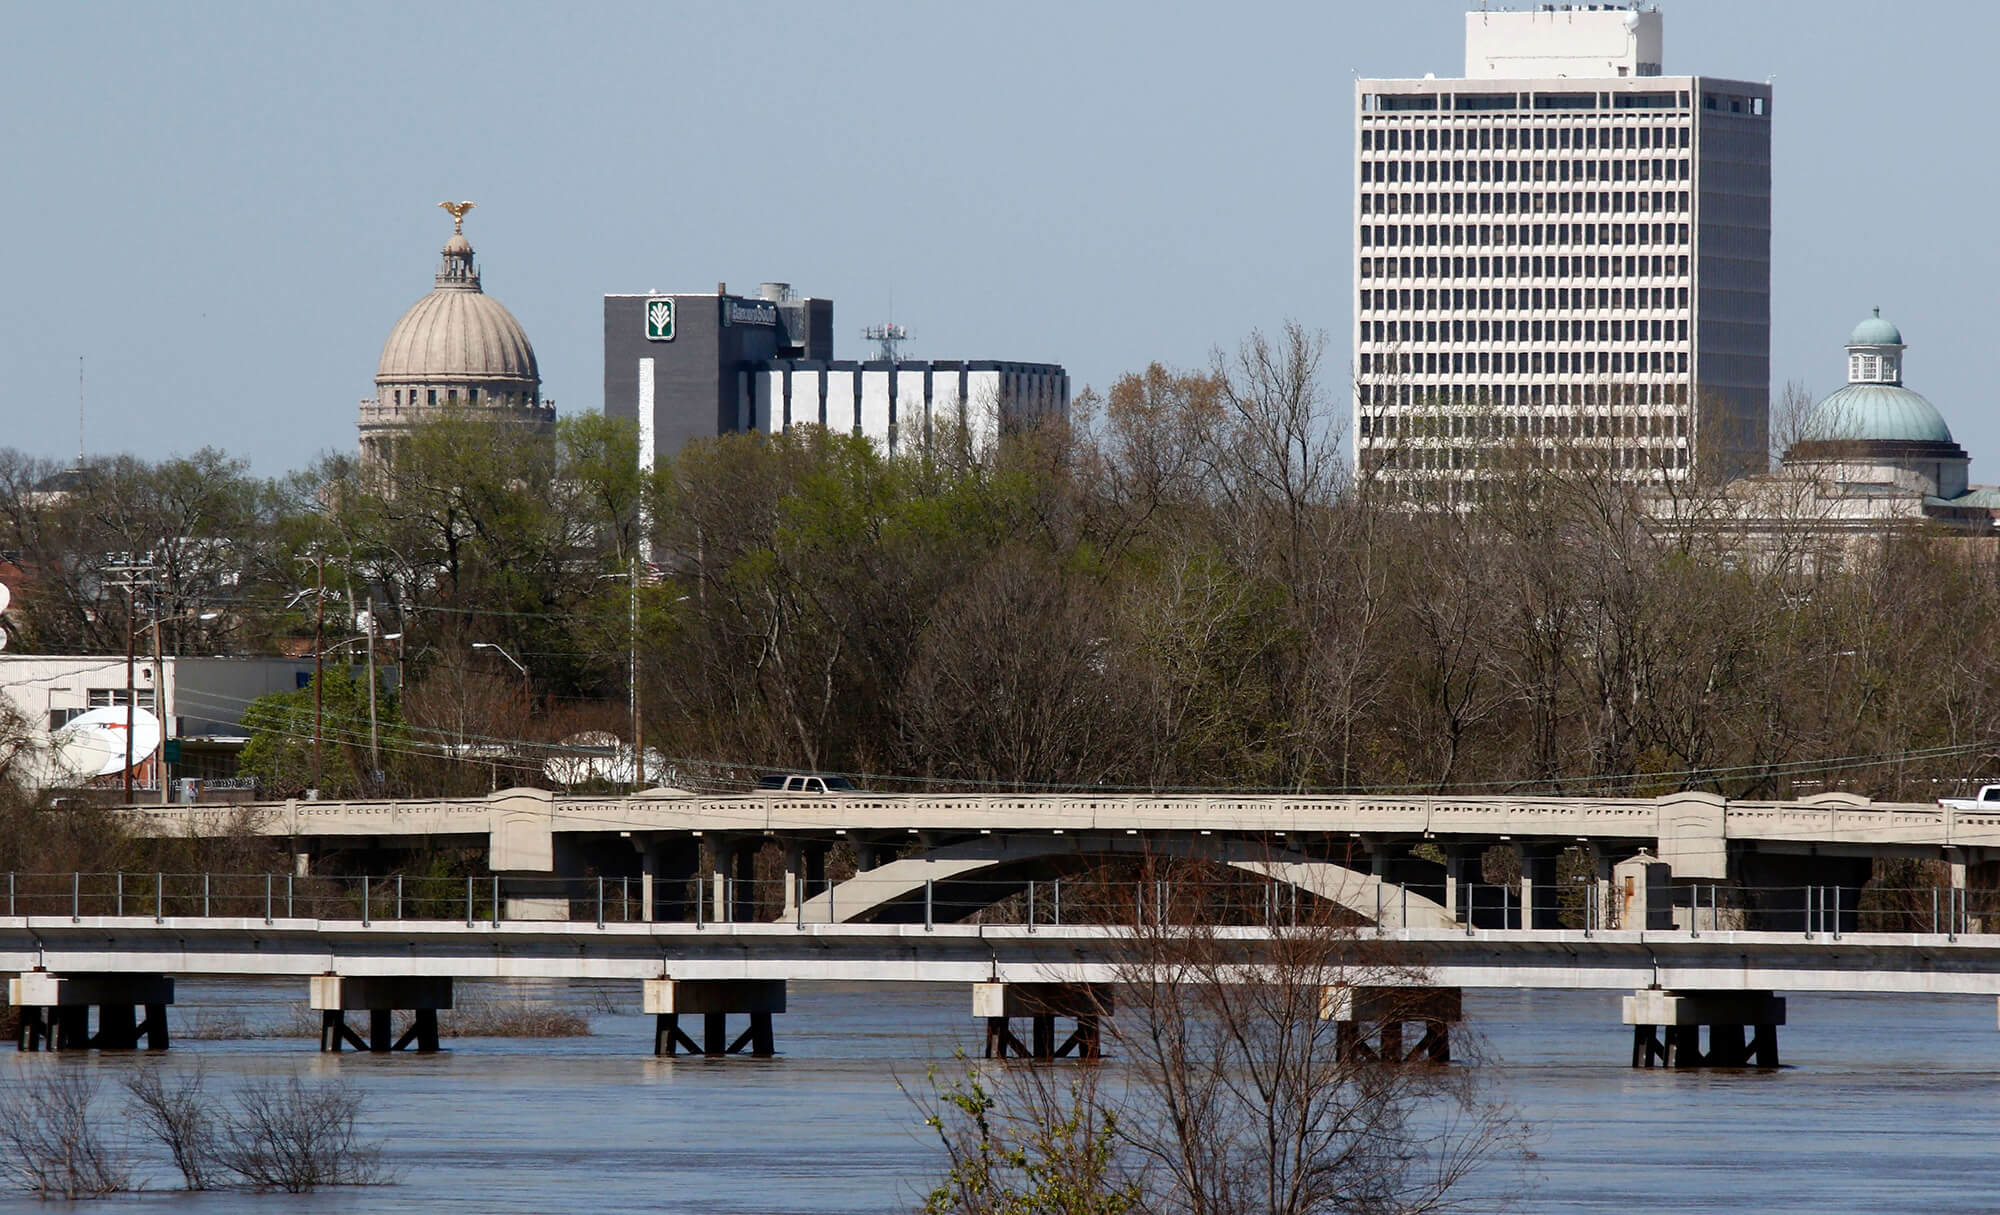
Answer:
(1382, 903)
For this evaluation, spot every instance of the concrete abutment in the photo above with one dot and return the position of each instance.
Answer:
(1041, 1004)
(714, 1001)
(381, 997)
(1667, 1028)
(1370, 1022)
(56, 1010)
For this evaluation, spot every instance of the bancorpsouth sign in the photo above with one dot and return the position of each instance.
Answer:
(749, 312)
(660, 319)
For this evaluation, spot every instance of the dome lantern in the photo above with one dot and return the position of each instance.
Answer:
(1875, 352)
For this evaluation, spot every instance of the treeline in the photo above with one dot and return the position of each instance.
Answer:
(1185, 586)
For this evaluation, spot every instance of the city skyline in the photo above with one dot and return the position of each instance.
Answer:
(1094, 188)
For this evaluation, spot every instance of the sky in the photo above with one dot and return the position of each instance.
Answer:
(224, 208)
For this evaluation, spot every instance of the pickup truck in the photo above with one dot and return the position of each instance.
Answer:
(1988, 798)
(805, 782)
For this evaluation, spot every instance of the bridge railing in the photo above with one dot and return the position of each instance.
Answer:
(1249, 900)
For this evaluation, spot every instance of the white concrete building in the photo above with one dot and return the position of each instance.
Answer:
(1562, 247)
(199, 701)
(902, 404)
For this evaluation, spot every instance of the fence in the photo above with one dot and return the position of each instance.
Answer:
(1811, 911)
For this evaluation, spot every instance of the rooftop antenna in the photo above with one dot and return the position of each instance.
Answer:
(887, 335)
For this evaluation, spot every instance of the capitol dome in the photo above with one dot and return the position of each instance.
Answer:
(456, 336)
(456, 348)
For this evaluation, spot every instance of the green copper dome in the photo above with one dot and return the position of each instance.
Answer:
(1874, 331)
(1876, 412)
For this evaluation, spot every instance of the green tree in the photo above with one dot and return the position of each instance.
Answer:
(283, 728)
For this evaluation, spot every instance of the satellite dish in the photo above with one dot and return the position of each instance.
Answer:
(6, 596)
(93, 744)
(3, 639)
(1632, 20)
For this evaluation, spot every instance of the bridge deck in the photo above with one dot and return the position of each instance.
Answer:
(1566, 959)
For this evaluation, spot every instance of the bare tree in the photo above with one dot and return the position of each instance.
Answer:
(291, 1136)
(1236, 1088)
(51, 1146)
(178, 1113)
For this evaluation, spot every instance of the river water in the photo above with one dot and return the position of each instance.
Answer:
(1886, 1104)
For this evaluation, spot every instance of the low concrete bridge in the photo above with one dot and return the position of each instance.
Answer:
(1682, 980)
(1373, 854)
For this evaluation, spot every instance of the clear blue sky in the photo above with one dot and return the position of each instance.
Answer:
(226, 207)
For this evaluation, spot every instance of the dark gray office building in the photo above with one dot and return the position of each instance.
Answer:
(694, 366)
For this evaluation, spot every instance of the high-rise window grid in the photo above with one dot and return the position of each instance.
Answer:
(1526, 278)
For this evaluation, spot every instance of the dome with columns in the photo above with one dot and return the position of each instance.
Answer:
(456, 348)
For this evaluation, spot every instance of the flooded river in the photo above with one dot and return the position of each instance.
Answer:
(1887, 1104)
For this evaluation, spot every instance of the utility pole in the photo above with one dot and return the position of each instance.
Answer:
(632, 675)
(131, 691)
(319, 635)
(374, 736)
(159, 700)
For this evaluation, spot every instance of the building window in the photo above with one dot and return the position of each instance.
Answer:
(118, 698)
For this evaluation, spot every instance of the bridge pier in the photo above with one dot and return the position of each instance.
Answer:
(1041, 1003)
(1666, 1028)
(805, 873)
(334, 996)
(1541, 905)
(1461, 867)
(55, 1011)
(714, 1000)
(1381, 1013)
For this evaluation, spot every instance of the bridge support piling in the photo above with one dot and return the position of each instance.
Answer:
(1540, 905)
(55, 1010)
(997, 1004)
(1460, 868)
(1381, 1013)
(1666, 1028)
(380, 996)
(714, 1000)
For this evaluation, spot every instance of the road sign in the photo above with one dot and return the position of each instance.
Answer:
(660, 319)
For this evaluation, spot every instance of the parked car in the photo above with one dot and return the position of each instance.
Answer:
(1988, 798)
(806, 782)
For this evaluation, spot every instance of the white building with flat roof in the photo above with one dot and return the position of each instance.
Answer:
(1563, 248)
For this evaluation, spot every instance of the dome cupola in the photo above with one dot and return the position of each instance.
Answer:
(1875, 352)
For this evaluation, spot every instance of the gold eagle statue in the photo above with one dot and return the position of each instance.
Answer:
(458, 210)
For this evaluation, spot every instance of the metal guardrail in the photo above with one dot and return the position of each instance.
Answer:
(1814, 912)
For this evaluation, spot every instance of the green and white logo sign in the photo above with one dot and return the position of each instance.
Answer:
(660, 320)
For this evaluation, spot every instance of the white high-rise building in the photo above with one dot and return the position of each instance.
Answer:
(1562, 250)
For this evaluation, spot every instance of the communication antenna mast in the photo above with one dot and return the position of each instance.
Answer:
(79, 411)
(888, 335)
